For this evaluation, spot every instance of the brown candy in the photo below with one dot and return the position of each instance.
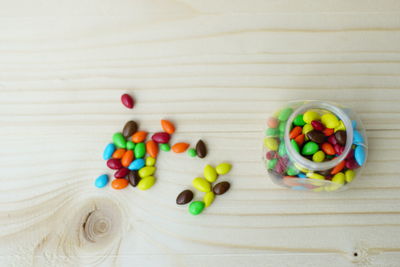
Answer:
(221, 188)
(129, 129)
(134, 178)
(341, 137)
(325, 172)
(201, 149)
(184, 197)
(316, 136)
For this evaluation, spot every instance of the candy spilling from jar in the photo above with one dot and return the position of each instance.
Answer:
(319, 136)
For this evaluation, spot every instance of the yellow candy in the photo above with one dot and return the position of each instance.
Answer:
(330, 120)
(318, 156)
(201, 184)
(307, 128)
(210, 174)
(271, 143)
(341, 127)
(350, 174)
(310, 116)
(318, 189)
(208, 198)
(146, 182)
(339, 178)
(146, 171)
(301, 168)
(150, 161)
(223, 168)
(314, 175)
(332, 187)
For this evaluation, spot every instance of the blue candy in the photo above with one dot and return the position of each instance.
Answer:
(354, 124)
(302, 175)
(359, 155)
(108, 151)
(299, 187)
(101, 181)
(137, 164)
(357, 138)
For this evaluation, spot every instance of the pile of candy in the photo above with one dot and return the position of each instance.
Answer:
(205, 185)
(317, 135)
(126, 155)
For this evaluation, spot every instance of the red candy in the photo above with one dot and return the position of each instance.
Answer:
(161, 137)
(296, 131)
(127, 100)
(338, 149)
(350, 155)
(332, 140)
(300, 139)
(351, 164)
(121, 173)
(271, 155)
(328, 131)
(114, 164)
(318, 126)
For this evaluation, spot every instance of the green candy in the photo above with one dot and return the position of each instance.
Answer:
(292, 171)
(282, 127)
(295, 145)
(119, 140)
(284, 114)
(298, 121)
(309, 148)
(140, 150)
(272, 163)
(192, 152)
(165, 147)
(282, 149)
(272, 132)
(329, 156)
(130, 145)
(196, 207)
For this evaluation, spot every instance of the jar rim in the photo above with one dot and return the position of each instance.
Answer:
(306, 163)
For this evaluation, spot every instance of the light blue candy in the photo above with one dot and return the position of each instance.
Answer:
(357, 138)
(302, 175)
(299, 187)
(108, 151)
(354, 124)
(101, 181)
(137, 164)
(359, 155)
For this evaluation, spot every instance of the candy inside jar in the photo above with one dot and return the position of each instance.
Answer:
(315, 146)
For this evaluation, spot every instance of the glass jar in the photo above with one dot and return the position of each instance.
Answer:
(326, 151)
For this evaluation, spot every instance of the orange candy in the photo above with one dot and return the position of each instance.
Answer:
(272, 122)
(119, 183)
(139, 137)
(127, 158)
(118, 153)
(300, 139)
(167, 126)
(328, 131)
(328, 149)
(152, 148)
(296, 131)
(338, 167)
(180, 147)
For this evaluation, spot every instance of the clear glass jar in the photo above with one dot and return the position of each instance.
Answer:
(287, 153)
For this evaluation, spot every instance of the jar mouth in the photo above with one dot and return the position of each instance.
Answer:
(306, 163)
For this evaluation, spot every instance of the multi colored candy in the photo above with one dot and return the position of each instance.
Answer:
(319, 136)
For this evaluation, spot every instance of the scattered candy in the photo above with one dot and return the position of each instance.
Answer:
(165, 147)
(210, 173)
(161, 137)
(108, 151)
(146, 183)
(192, 152)
(180, 147)
(196, 207)
(221, 188)
(129, 129)
(201, 149)
(201, 184)
(127, 158)
(167, 126)
(146, 171)
(101, 181)
(137, 164)
(119, 184)
(119, 140)
(127, 101)
(150, 161)
(152, 148)
(184, 197)
(139, 137)
(133, 178)
(223, 168)
(208, 198)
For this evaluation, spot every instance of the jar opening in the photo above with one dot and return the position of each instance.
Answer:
(300, 159)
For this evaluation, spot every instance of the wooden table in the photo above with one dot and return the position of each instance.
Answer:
(217, 69)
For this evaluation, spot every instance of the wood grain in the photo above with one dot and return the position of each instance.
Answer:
(217, 69)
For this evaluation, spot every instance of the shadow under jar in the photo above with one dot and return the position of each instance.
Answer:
(314, 146)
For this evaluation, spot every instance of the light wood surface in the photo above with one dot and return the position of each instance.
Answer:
(217, 69)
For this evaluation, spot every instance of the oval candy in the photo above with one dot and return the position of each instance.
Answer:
(196, 207)
(130, 145)
(184, 197)
(121, 173)
(358, 139)
(318, 126)
(208, 198)
(339, 178)
(309, 148)
(221, 188)
(192, 152)
(349, 174)
(129, 129)
(298, 121)
(296, 131)
(307, 128)
(134, 178)
(314, 175)
(119, 153)
(127, 158)
(359, 155)
(137, 164)
(101, 181)
(272, 122)
(341, 137)
(328, 131)
(119, 184)
(328, 149)
(201, 184)
(167, 126)
(127, 101)
(119, 140)
(139, 136)
(330, 120)
(147, 171)
(316, 136)
(295, 145)
(180, 147)
(150, 161)
(300, 139)
(108, 151)
(284, 114)
(165, 147)
(161, 137)
(114, 164)
(210, 173)
(140, 150)
(223, 168)
(146, 183)
(318, 156)
(338, 168)
(310, 116)
(271, 143)
(152, 148)
(201, 149)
